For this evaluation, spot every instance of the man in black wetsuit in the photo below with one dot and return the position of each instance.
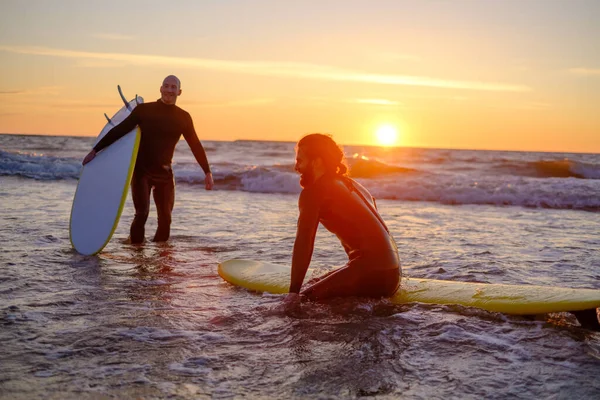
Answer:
(161, 123)
(347, 210)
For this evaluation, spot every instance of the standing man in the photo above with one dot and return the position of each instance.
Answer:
(347, 210)
(161, 123)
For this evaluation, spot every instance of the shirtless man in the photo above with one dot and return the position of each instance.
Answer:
(347, 210)
(161, 123)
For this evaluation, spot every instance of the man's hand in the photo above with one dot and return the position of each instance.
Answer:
(208, 181)
(291, 303)
(89, 157)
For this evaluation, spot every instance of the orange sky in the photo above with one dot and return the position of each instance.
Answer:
(508, 75)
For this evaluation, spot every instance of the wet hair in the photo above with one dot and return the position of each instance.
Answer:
(318, 145)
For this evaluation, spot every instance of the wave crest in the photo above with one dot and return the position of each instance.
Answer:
(38, 166)
(363, 167)
(564, 168)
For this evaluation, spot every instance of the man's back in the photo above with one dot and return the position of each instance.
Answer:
(346, 210)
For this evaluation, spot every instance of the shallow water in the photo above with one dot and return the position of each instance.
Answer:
(158, 322)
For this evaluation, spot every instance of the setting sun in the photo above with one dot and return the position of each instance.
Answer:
(387, 135)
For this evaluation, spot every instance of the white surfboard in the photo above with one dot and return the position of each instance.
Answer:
(103, 187)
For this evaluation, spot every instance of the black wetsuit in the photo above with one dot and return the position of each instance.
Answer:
(346, 209)
(161, 128)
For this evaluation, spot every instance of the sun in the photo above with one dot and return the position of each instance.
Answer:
(387, 135)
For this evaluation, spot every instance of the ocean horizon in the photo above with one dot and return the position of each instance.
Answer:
(341, 144)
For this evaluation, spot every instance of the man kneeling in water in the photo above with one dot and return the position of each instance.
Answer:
(347, 210)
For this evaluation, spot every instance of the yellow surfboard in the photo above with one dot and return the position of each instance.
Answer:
(509, 299)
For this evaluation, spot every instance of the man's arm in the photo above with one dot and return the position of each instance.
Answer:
(308, 222)
(119, 131)
(198, 150)
(114, 134)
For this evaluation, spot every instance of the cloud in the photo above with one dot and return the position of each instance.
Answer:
(585, 71)
(379, 102)
(396, 56)
(74, 105)
(271, 68)
(530, 106)
(535, 106)
(87, 63)
(233, 103)
(39, 91)
(113, 36)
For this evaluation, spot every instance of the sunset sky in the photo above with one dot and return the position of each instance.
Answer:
(506, 75)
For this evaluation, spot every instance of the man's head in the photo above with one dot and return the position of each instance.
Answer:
(170, 89)
(316, 155)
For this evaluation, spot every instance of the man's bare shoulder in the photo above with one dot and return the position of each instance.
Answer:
(306, 194)
(359, 187)
(309, 196)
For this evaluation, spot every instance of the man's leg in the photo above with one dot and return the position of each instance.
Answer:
(140, 193)
(164, 198)
(353, 280)
(342, 282)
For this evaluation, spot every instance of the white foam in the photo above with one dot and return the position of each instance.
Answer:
(517, 191)
(587, 170)
(38, 166)
(481, 183)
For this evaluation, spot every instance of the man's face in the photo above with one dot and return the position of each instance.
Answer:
(304, 166)
(170, 90)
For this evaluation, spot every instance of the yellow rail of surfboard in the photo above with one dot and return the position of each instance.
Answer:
(509, 299)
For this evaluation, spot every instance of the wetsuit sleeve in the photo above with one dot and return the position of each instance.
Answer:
(308, 222)
(197, 149)
(120, 130)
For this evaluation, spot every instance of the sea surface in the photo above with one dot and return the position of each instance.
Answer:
(158, 322)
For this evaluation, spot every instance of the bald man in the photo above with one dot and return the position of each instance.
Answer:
(161, 123)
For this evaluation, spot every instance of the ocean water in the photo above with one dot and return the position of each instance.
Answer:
(158, 322)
